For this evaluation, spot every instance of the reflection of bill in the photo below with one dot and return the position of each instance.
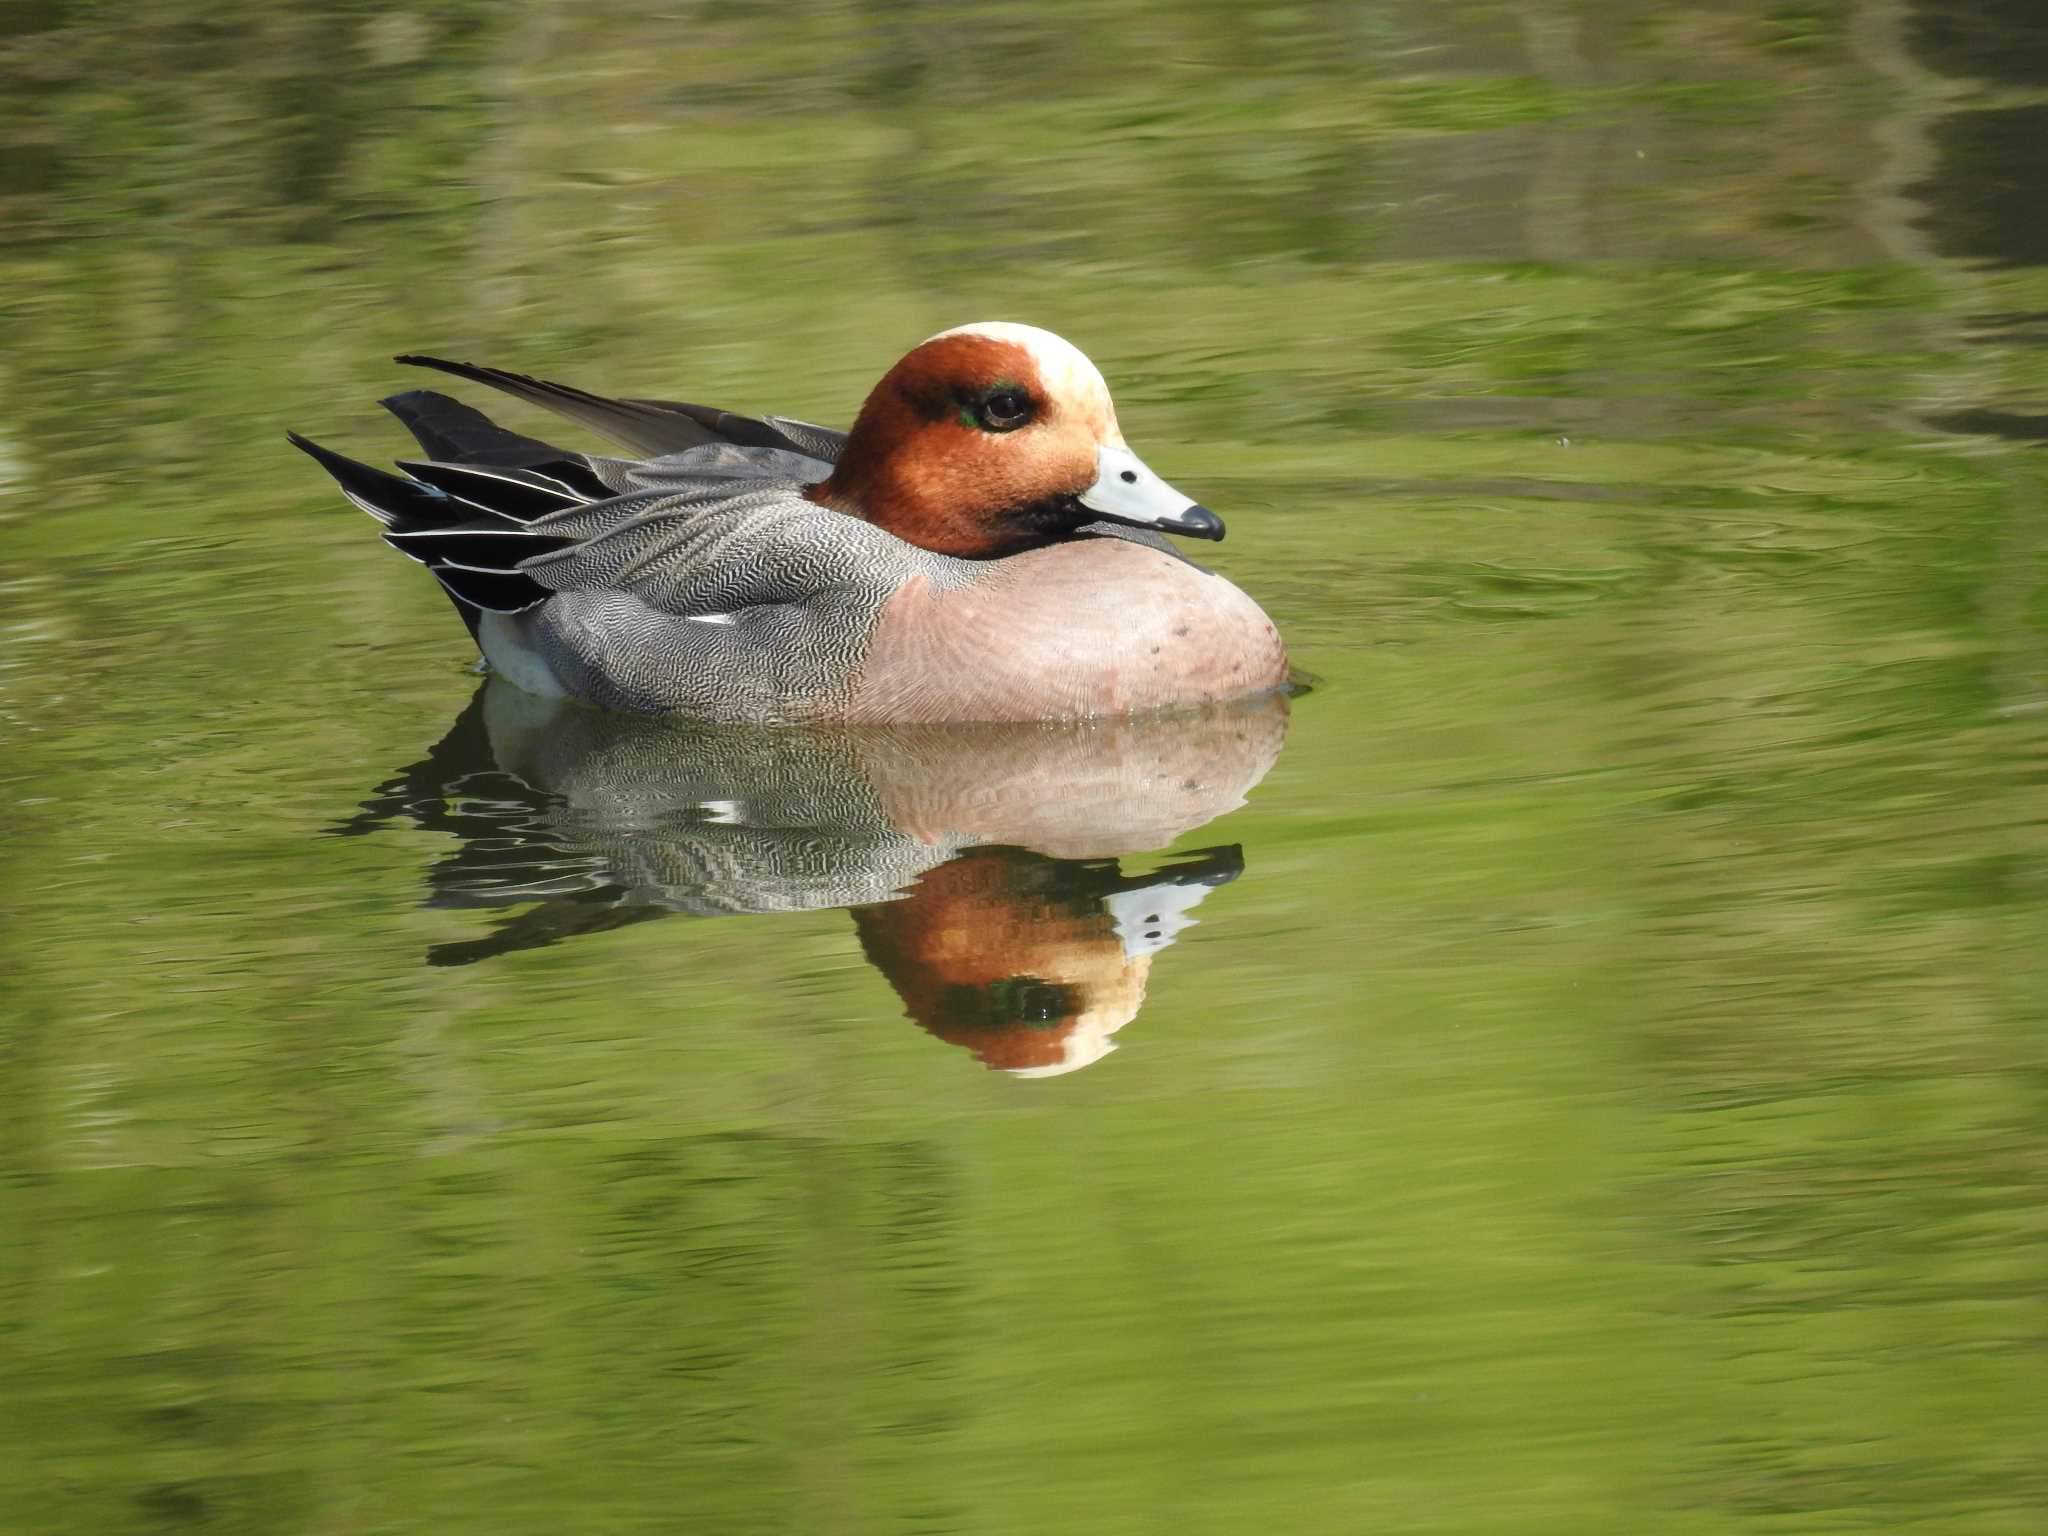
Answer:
(1030, 962)
(980, 862)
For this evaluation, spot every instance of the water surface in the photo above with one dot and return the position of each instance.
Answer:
(1594, 1082)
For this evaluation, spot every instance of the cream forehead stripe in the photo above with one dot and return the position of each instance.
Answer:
(1063, 369)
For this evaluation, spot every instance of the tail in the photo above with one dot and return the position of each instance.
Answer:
(470, 510)
(453, 433)
(471, 525)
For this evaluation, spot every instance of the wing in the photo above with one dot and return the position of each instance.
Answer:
(732, 601)
(718, 546)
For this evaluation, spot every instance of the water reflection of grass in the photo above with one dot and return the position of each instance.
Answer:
(1464, 106)
(1612, 1088)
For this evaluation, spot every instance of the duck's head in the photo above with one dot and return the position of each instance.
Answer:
(994, 438)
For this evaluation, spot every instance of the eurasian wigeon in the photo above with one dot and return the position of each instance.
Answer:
(982, 546)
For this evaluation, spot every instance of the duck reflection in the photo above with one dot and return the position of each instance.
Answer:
(981, 864)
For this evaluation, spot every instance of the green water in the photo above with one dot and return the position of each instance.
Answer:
(1603, 1088)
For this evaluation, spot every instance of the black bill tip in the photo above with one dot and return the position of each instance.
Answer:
(1195, 521)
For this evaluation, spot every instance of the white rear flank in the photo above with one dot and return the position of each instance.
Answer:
(502, 637)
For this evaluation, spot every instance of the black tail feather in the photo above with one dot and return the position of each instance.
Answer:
(520, 494)
(490, 549)
(472, 548)
(391, 499)
(455, 433)
(491, 591)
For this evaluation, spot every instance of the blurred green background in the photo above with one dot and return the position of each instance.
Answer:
(1612, 1097)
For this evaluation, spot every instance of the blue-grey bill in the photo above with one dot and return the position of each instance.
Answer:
(1125, 491)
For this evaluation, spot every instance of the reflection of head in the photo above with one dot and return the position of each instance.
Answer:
(1025, 960)
(1031, 1027)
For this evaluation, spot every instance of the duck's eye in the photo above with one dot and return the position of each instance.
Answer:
(1003, 410)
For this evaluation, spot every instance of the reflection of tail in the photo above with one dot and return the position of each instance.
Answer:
(548, 923)
(504, 845)
(426, 791)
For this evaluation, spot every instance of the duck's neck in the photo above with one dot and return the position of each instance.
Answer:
(943, 525)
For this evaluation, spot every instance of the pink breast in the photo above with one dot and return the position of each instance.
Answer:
(1096, 627)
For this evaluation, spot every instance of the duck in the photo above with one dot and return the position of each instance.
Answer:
(982, 546)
